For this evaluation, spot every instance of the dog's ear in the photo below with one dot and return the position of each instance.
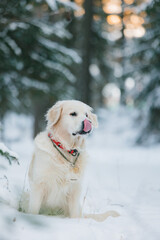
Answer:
(93, 118)
(53, 114)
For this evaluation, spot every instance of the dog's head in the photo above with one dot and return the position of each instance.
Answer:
(72, 117)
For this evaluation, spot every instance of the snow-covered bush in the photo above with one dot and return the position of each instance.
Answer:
(7, 154)
(7, 157)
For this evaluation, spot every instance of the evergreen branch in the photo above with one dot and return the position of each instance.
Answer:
(9, 157)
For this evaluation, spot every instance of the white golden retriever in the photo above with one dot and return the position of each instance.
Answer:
(59, 159)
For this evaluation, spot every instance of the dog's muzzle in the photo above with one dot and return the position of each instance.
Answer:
(86, 128)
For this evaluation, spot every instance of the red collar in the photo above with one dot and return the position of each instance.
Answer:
(73, 152)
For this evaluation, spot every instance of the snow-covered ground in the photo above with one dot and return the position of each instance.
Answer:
(120, 177)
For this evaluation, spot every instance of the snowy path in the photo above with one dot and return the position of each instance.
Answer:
(119, 177)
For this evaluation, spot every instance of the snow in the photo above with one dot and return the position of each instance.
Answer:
(55, 46)
(120, 176)
(52, 4)
(58, 29)
(13, 45)
(55, 66)
(4, 149)
(28, 82)
(14, 25)
(69, 4)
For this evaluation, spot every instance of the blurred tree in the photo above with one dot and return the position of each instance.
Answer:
(39, 66)
(34, 63)
(89, 38)
(85, 77)
(149, 60)
(100, 67)
(141, 69)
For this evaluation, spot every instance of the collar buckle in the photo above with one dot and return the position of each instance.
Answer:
(73, 152)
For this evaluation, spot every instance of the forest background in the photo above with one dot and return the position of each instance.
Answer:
(97, 51)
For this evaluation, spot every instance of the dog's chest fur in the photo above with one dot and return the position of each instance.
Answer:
(51, 170)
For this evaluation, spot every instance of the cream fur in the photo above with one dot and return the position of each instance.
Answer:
(54, 185)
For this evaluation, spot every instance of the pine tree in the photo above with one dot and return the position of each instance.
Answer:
(141, 57)
(150, 93)
(91, 43)
(34, 62)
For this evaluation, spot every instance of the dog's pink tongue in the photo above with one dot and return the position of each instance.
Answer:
(87, 126)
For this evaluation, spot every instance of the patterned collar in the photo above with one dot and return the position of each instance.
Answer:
(73, 152)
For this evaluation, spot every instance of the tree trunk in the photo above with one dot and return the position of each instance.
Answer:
(2, 126)
(85, 77)
(37, 117)
(40, 108)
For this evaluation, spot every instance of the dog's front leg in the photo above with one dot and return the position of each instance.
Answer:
(36, 198)
(74, 202)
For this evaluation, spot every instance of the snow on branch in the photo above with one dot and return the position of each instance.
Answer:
(68, 4)
(13, 45)
(52, 4)
(54, 66)
(33, 83)
(5, 152)
(55, 46)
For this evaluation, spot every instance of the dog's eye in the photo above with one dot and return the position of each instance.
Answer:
(73, 114)
(86, 115)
